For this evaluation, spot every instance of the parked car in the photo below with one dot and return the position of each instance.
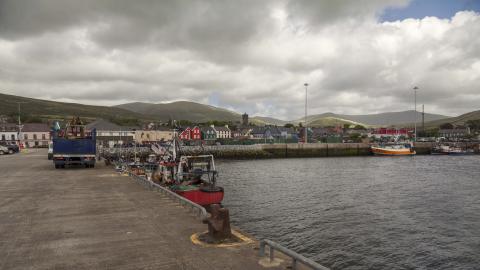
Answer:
(10, 148)
(3, 150)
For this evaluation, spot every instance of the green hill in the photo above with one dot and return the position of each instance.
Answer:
(330, 122)
(132, 113)
(182, 110)
(268, 121)
(379, 119)
(458, 120)
(33, 110)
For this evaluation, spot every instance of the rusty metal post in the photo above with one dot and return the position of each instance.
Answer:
(219, 223)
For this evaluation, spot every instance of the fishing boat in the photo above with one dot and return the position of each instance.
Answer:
(440, 150)
(193, 177)
(451, 150)
(396, 149)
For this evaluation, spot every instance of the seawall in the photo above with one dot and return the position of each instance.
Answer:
(291, 150)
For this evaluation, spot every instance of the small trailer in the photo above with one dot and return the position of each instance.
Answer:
(74, 146)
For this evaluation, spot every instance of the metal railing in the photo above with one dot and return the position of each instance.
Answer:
(292, 254)
(201, 211)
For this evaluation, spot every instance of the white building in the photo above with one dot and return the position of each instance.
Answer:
(9, 133)
(222, 132)
(35, 135)
(110, 134)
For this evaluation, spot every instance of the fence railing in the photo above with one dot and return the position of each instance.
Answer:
(198, 209)
(292, 254)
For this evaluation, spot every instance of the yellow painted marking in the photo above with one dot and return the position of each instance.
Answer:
(244, 240)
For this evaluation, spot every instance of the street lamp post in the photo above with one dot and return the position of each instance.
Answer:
(306, 129)
(415, 112)
(19, 123)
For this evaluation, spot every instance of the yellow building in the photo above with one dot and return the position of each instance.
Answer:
(143, 136)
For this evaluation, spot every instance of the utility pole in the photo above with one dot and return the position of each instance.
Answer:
(19, 136)
(306, 128)
(415, 112)
(423, 119)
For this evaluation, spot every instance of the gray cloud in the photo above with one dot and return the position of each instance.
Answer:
(245, 55)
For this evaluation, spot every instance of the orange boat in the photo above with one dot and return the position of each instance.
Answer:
(394, 150)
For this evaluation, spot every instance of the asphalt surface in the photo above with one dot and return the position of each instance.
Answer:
(78, 218)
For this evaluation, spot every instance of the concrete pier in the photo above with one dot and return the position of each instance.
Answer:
(96, 219)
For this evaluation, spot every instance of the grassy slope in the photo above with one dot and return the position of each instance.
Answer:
(59, 110)
(182, 110)
(459, 120)
(331, 121)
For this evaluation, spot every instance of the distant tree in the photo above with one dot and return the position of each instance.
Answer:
(289, 125)
(354, 137)
(31, 119)
(446, 126)
(126, 121)
(473, 124)
(359, 127)
(184, 123)
(3, 119)
(346, 126)
(422, 133)
(431, 132)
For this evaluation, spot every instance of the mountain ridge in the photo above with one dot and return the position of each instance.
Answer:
(197, 112)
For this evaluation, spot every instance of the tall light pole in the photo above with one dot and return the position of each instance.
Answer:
(415, 112)
(19, 122)
(306, 129)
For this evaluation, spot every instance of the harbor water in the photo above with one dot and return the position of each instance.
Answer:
(418, 212)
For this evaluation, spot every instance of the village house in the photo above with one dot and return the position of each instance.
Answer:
(154, 135)
(196, 133)
(188, 133)
(208, 133)
(9, 133)
(454, 134)
(35, 135)
(258, 133)
(110, 134)
(390, 132)
(222, 132)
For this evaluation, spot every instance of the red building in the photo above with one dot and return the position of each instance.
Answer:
(186, 134)
(191, 134)
(393, 131)
(195, 134)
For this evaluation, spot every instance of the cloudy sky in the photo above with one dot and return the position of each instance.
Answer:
(359, 56)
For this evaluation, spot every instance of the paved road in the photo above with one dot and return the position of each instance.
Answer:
(95, 219)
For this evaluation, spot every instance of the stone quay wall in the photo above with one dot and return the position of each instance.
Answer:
(291, 150)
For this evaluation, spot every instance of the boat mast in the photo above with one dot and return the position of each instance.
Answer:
(415, 113)
(306, 129)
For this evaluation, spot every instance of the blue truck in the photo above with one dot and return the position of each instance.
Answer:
(74, 151)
